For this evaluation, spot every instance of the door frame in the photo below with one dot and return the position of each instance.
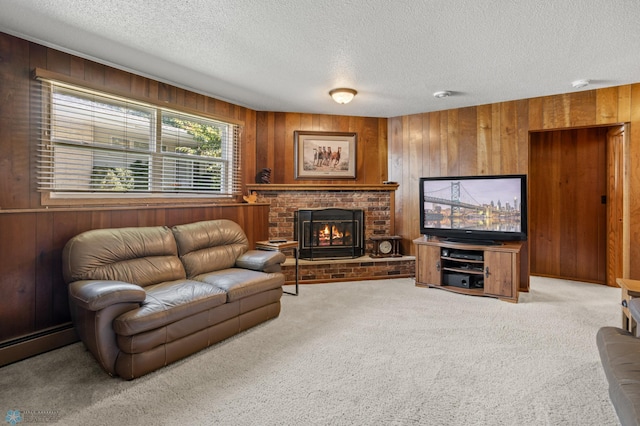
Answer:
(618, 234)
(617, 262)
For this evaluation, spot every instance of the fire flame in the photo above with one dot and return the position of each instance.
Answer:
(330, 233)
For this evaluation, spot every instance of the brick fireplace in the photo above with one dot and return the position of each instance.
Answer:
(377, 203)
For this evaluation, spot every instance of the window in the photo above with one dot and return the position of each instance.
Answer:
(97, 145)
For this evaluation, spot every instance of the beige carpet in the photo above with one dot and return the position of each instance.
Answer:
(357, 353)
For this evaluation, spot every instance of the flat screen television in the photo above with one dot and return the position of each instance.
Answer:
(474, 209)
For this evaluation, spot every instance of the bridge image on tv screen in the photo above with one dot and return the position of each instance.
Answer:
(476, 204)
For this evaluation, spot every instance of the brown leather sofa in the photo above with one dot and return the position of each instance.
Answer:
(620, 356)
(144, 297)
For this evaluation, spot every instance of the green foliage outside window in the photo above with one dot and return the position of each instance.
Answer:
(208, 137)
(113, 179)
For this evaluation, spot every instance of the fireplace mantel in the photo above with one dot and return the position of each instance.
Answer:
(322, 187)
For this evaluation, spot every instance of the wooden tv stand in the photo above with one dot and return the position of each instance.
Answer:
(500, 271)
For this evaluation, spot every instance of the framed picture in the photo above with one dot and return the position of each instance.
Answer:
(325, 155)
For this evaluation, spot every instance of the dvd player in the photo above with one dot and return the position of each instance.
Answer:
(468, 256)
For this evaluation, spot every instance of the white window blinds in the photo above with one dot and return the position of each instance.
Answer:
(94, 143)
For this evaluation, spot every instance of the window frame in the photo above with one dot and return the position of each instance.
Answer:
(49, 196)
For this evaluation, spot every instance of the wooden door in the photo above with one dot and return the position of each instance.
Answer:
(499, 277)
(567, 204)
(428, 265)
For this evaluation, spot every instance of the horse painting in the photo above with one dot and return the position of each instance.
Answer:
(335, 157)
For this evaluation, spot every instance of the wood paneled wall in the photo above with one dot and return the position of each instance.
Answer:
(32, 293)
(275, 144)
(33, 297)
(18, 59)
(494, 139)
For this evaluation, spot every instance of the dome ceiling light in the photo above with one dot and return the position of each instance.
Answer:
(579, 84)
(442, 94)
(343, 95)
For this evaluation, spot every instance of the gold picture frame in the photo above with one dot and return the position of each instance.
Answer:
(325, 155)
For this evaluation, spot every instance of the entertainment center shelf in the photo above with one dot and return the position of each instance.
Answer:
(500, 270)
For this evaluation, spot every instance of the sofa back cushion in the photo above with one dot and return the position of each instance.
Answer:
(210, 245)
(141, 255)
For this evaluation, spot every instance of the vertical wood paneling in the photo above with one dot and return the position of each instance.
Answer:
(496, 140)
(416, 135)
(395, 152)
(634, 182)
(14, 126)
(444, 144)
(395, 149)
(44, 271)
(508, 138)
(624, 104)
(483, 131)
(117, 79)
(278, 171)
(522, 136)
(536, 117)
(17, 269)
(306, 121)
(583, 108)
(287, 162)
(405, 181)
(249, 148)
(383, 146)
(61, 63)
(468, 140)
(434, 141)
(453, 147)
(606, 105)
(275, 138)
(94, 74)
(502, 132)
(140, 86)
(266, 138)
(363, 150)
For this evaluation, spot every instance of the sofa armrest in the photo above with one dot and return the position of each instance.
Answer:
(634, 310)
(261, 260)
(97, 295)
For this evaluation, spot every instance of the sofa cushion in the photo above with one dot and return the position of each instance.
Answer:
(210, 245)
(169, 302)
(239, 283)
(620, 356)
(142, 256)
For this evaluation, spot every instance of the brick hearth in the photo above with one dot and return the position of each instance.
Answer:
(361, 268)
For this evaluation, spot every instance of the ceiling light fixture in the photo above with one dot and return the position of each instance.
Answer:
(343, 95)
(442, 94)
(579, 84)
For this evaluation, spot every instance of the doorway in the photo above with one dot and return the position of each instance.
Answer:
(575, 204)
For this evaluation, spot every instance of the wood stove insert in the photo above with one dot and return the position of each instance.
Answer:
(329, 233)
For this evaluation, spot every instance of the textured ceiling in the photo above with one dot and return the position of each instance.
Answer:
(286, 55)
